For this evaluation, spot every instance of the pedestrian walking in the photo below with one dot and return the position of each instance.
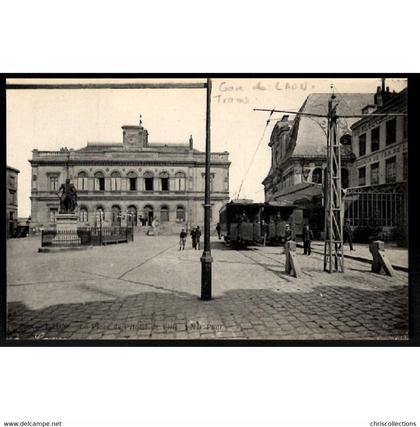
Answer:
(193, 238)
(265, 230)
(288, 233)
(197, 236)
(182, 239)
(348, 234)
(308, 236)
(218, 230)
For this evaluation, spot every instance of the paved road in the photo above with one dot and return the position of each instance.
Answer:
(148, 289)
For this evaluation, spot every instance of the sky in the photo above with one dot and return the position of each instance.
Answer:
(51, 119)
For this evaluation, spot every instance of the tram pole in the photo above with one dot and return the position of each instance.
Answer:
(206, 258)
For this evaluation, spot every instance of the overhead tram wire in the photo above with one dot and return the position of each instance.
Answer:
(339, 115)
(255, 153)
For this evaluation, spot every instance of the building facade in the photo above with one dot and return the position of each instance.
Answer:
(130, 183)
(299, 153)
(378, 197)
(11, 201)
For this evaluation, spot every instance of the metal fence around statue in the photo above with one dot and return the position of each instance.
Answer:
(91, 236)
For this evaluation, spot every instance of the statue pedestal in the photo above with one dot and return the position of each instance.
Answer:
(66, 226)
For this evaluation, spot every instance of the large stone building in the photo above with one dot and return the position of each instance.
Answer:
(299, 151)
(11, 201)
(130, 182)
(378, 197)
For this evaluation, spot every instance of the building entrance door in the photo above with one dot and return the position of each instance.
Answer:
(116, 216)
(132, 216)
(148, 214)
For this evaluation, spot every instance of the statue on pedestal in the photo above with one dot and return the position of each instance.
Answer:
(68, 197)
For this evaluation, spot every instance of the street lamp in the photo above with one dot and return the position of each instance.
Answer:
(206, 258)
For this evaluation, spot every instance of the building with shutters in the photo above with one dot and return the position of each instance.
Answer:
(378, 196)
(130, 183)
(11, 201)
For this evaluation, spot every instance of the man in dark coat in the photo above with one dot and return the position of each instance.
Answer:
(197, 236)
(288, 233)
(218, 230)
(348, 234)
(182, 239)
(193, 238)
(308, 236)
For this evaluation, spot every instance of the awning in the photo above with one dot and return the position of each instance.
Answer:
(299, 194)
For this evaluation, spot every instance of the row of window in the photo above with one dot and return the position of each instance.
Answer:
(318, 178)
(390, 172)
(375, 134)
(179, 182)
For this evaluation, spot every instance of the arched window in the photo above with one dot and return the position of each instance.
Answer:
(164, 181)
(344, 178)
(180, 213)
(116, 216)
(99, 181)
(180, 181)
(132, 181)
(83, 214)
(148, 181)
(132, 216)
(115, 181)
(82, 181)
(317, 176)
(164, 213)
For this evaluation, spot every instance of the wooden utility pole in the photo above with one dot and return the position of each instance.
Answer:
(333, 244)
(206, 258)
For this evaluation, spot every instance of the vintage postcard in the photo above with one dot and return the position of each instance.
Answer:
(217, 209)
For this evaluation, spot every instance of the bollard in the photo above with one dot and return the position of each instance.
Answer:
(292, 263)
(380, 260)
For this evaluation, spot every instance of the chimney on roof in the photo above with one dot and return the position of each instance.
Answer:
(382, 94)
(191, 142)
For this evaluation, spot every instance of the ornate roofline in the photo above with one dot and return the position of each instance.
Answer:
(103, 162)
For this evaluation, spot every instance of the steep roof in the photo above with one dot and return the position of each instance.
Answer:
(307, 134)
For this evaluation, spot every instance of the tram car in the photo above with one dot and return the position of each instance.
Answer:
(240, 222)
(244, 222)
(274, 218)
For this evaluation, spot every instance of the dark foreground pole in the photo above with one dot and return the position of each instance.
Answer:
(206, 258)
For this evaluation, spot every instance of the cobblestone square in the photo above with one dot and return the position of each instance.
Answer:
(148, 289)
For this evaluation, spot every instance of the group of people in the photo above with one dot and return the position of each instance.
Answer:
(195, 238)
(308, 236)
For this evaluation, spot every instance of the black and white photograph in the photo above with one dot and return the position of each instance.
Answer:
(210, 214)
(207, 209)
